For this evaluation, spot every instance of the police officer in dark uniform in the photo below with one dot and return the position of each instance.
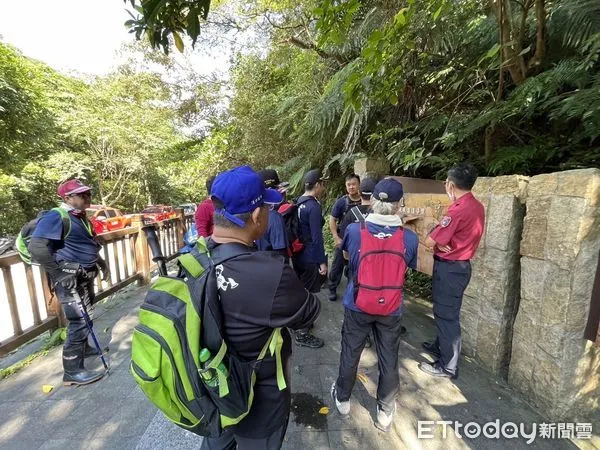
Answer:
(72, 262)
(357, 213)
(340, 208)
(311, 263)
(454, 241)
(274, 239)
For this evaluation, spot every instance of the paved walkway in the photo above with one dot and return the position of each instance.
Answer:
(114, 414)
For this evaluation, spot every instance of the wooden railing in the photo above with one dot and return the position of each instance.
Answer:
(26, 302)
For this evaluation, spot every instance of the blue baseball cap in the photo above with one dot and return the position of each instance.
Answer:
(241, 190)
(388, 190)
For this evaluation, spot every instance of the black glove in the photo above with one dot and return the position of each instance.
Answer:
(67, 277)
(101, 264)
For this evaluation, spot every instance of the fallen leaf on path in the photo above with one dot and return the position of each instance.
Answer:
(47, 388)
(363, 378)
(106, 329)
(324, 410)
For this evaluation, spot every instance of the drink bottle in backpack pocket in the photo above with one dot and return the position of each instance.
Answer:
(211, 376)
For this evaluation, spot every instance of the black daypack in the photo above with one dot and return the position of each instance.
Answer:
(289, 212)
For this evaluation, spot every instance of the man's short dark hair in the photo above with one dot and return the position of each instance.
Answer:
(353, 176)
(209, 183)
(463, 176)
(311, 186)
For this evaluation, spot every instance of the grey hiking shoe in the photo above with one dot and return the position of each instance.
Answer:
(342, 407)
(384, 420)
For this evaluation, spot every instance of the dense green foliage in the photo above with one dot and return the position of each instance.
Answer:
(120, 133)
(432, 82)
(159, 20)
(513, 86)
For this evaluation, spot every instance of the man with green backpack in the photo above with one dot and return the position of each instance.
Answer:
(212, 350)
(63, 242)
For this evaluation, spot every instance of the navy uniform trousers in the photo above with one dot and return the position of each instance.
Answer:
(449, 281)
(77, 330)
(337, 269)
(386, 331)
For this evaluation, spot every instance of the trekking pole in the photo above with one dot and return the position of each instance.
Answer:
(157, 256)
(89, 325)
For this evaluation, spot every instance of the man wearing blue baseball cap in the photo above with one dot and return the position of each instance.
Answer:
(380, 251)
(274, 239)
(258, 292)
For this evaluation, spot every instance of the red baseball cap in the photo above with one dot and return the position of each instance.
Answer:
(70, 187)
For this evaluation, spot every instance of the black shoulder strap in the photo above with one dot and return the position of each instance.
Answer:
(302, 200)
(213, 328)
(358, 214)
(66, 226)
(226, 252)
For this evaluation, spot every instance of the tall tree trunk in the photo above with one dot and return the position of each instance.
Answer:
(540, 41)
(513, 62)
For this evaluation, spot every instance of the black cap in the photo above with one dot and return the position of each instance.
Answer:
(313, 176)
(367, 185)
(269, 177)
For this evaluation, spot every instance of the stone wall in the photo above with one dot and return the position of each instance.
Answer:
(551, 363)
(491, 300)
(373, 167)
(526, 307)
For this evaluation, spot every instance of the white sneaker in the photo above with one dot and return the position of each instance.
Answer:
(384, 421)
(342, 407)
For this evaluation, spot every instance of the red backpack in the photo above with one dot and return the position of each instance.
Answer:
(381, 271)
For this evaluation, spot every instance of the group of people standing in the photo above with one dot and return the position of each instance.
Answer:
(375, 250)
(273, 284)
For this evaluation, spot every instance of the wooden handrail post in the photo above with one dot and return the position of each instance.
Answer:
(32, 295)
(12, 301)
(142, 257)
(180, 227)
(53, 307)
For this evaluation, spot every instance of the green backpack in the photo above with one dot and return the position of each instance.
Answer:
(180, 317)
(24, 236)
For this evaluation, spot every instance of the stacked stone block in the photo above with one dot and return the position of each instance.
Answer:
(491, 300)
(551, 363)
(371, 167)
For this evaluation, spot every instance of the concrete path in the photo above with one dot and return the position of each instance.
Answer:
(114, 414)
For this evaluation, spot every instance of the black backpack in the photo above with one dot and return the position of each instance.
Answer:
(291, 220)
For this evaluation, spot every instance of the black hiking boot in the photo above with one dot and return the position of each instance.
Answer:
(431, 348)
(435, 369)
(75, 374)
(305, 339)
